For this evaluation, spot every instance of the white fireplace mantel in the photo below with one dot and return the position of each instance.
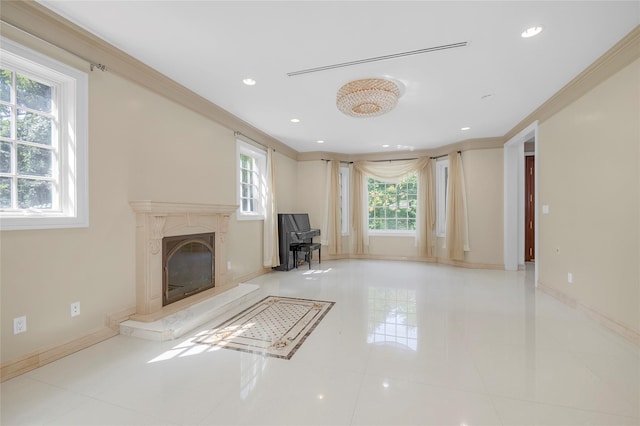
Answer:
(165, 208)
(156, 220)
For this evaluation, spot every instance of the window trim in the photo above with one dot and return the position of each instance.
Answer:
(442, 166)
(260, 156)
(73, 86)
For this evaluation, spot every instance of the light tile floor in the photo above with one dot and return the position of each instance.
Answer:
(405, 343)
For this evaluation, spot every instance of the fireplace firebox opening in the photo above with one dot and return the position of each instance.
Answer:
(188, 266)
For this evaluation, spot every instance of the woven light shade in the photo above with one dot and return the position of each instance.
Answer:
(368, 97)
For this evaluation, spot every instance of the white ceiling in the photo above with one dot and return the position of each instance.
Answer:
(210, 46)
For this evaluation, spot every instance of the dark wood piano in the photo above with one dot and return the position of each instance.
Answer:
(293, 230)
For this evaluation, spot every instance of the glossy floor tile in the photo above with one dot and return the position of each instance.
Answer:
(405, 343)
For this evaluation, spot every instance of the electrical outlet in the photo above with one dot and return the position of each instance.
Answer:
(570, 278)
(75, 309)
(19, 325)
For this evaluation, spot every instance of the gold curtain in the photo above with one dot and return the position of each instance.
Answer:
(359, 224)
(270, 249)
(457, 229)
(425, 226)
(333, 224)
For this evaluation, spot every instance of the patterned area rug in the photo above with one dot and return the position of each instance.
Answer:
(275, 326)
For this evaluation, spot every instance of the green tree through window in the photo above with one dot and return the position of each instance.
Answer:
(27, 147)
(392, 207)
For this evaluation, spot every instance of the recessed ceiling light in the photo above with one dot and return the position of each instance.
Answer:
(249, 81)
(320, 141)
(465, 128)
(295, 120)
(530, 32)
(385, 146)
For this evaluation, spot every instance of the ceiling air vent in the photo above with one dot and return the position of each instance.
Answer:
(378, 58)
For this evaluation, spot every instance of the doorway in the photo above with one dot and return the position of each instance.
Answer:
(514, 200)
(529, 209)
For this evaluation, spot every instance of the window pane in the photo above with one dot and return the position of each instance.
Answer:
(34, 194)
(245, 191)
(34, 95)
(5, 157)
(245, 161)
(5, 121)
(389, 201)
(5, 85)
(34, 161)
(245, 205)
(5, 192)
(34, 128)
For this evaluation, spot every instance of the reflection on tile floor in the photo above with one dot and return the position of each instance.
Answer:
(405, 343)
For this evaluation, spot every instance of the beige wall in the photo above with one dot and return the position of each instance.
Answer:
(588, 175)
(141, 147)
(311, 193)
(286, 183)
(483, 175)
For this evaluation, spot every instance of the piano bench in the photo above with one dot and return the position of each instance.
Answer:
(307, 249)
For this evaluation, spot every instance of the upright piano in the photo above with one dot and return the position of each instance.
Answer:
(293, 228)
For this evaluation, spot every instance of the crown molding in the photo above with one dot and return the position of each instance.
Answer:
(619, 56)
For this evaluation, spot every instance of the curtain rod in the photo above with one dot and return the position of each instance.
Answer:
(249, 140)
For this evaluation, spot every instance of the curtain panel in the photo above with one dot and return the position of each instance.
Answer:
(270, 249)
(457, 238)
(332, 229)
(394, 172)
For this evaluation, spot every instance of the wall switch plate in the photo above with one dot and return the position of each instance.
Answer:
(19, 325)
(75, 309)
(228, 265)
(569, 277)
(545, 209)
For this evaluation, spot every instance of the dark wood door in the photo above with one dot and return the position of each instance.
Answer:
(529, 211)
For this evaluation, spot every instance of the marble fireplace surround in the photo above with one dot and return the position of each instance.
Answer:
(156, 220)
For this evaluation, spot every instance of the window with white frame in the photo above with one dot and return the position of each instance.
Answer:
(344, 199)
(43, 141)
(392, 206)
(442, 181)
(252, 165)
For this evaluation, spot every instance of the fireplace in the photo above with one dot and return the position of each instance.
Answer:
(188, 231)
(188, 263)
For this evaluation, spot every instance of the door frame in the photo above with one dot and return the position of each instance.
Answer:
(514, 197)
